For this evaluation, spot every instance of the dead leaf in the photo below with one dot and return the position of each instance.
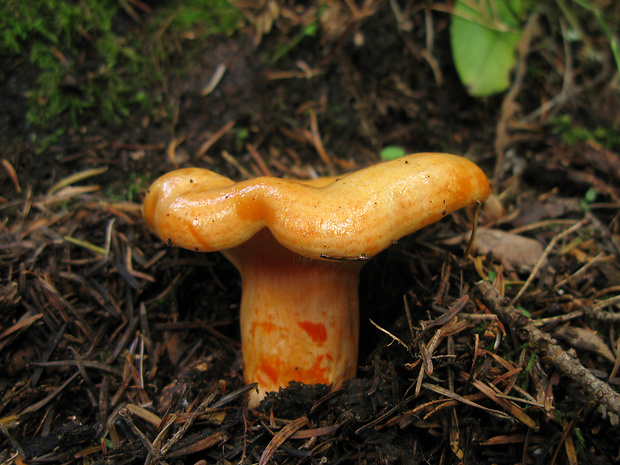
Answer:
(279, 439)
(510, 407)
(200, 445)
(9, 295)
(176, 347)
(535, 210)
(584, 339)
(519, 251)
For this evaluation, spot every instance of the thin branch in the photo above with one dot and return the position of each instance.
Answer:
(568, 365)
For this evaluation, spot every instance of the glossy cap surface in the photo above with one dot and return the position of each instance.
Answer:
(354, 217)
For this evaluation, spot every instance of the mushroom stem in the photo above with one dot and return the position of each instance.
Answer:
(299, 317)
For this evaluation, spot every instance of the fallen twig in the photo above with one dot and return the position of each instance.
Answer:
(597, 389)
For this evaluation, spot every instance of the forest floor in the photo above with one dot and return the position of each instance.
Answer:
(115, 348)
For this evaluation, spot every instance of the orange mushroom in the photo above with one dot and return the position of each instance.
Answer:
(299, 247)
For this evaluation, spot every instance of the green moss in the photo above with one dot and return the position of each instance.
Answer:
(129, 189)
(84, 63)
(309, 30)
(241, 137)
(573, 134)
(138, 184)
(480, 328)
(200, 17)
(58, 36)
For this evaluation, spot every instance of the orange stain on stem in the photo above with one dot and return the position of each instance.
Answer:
(266, 327)
(281, 372)
(317, 372)
(270, 371)
(316, 331)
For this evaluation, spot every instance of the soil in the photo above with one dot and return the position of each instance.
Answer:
(115, 348)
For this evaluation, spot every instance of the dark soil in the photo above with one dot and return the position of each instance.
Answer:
(115, 348)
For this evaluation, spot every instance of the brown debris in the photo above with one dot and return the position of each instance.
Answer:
(569, 365)
(115, 349)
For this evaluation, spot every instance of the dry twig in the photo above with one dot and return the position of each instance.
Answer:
(597, 389)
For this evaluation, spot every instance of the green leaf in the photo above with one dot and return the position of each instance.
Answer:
(392, 152)
(590, 195)
(484, 35)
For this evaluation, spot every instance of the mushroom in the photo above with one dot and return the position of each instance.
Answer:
(299, 247)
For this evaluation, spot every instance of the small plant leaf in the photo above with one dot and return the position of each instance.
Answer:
(484, 35)
(392, 152)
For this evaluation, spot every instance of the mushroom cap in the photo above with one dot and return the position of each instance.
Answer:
(353, 217)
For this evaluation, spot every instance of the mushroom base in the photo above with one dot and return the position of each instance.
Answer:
(299, 319)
